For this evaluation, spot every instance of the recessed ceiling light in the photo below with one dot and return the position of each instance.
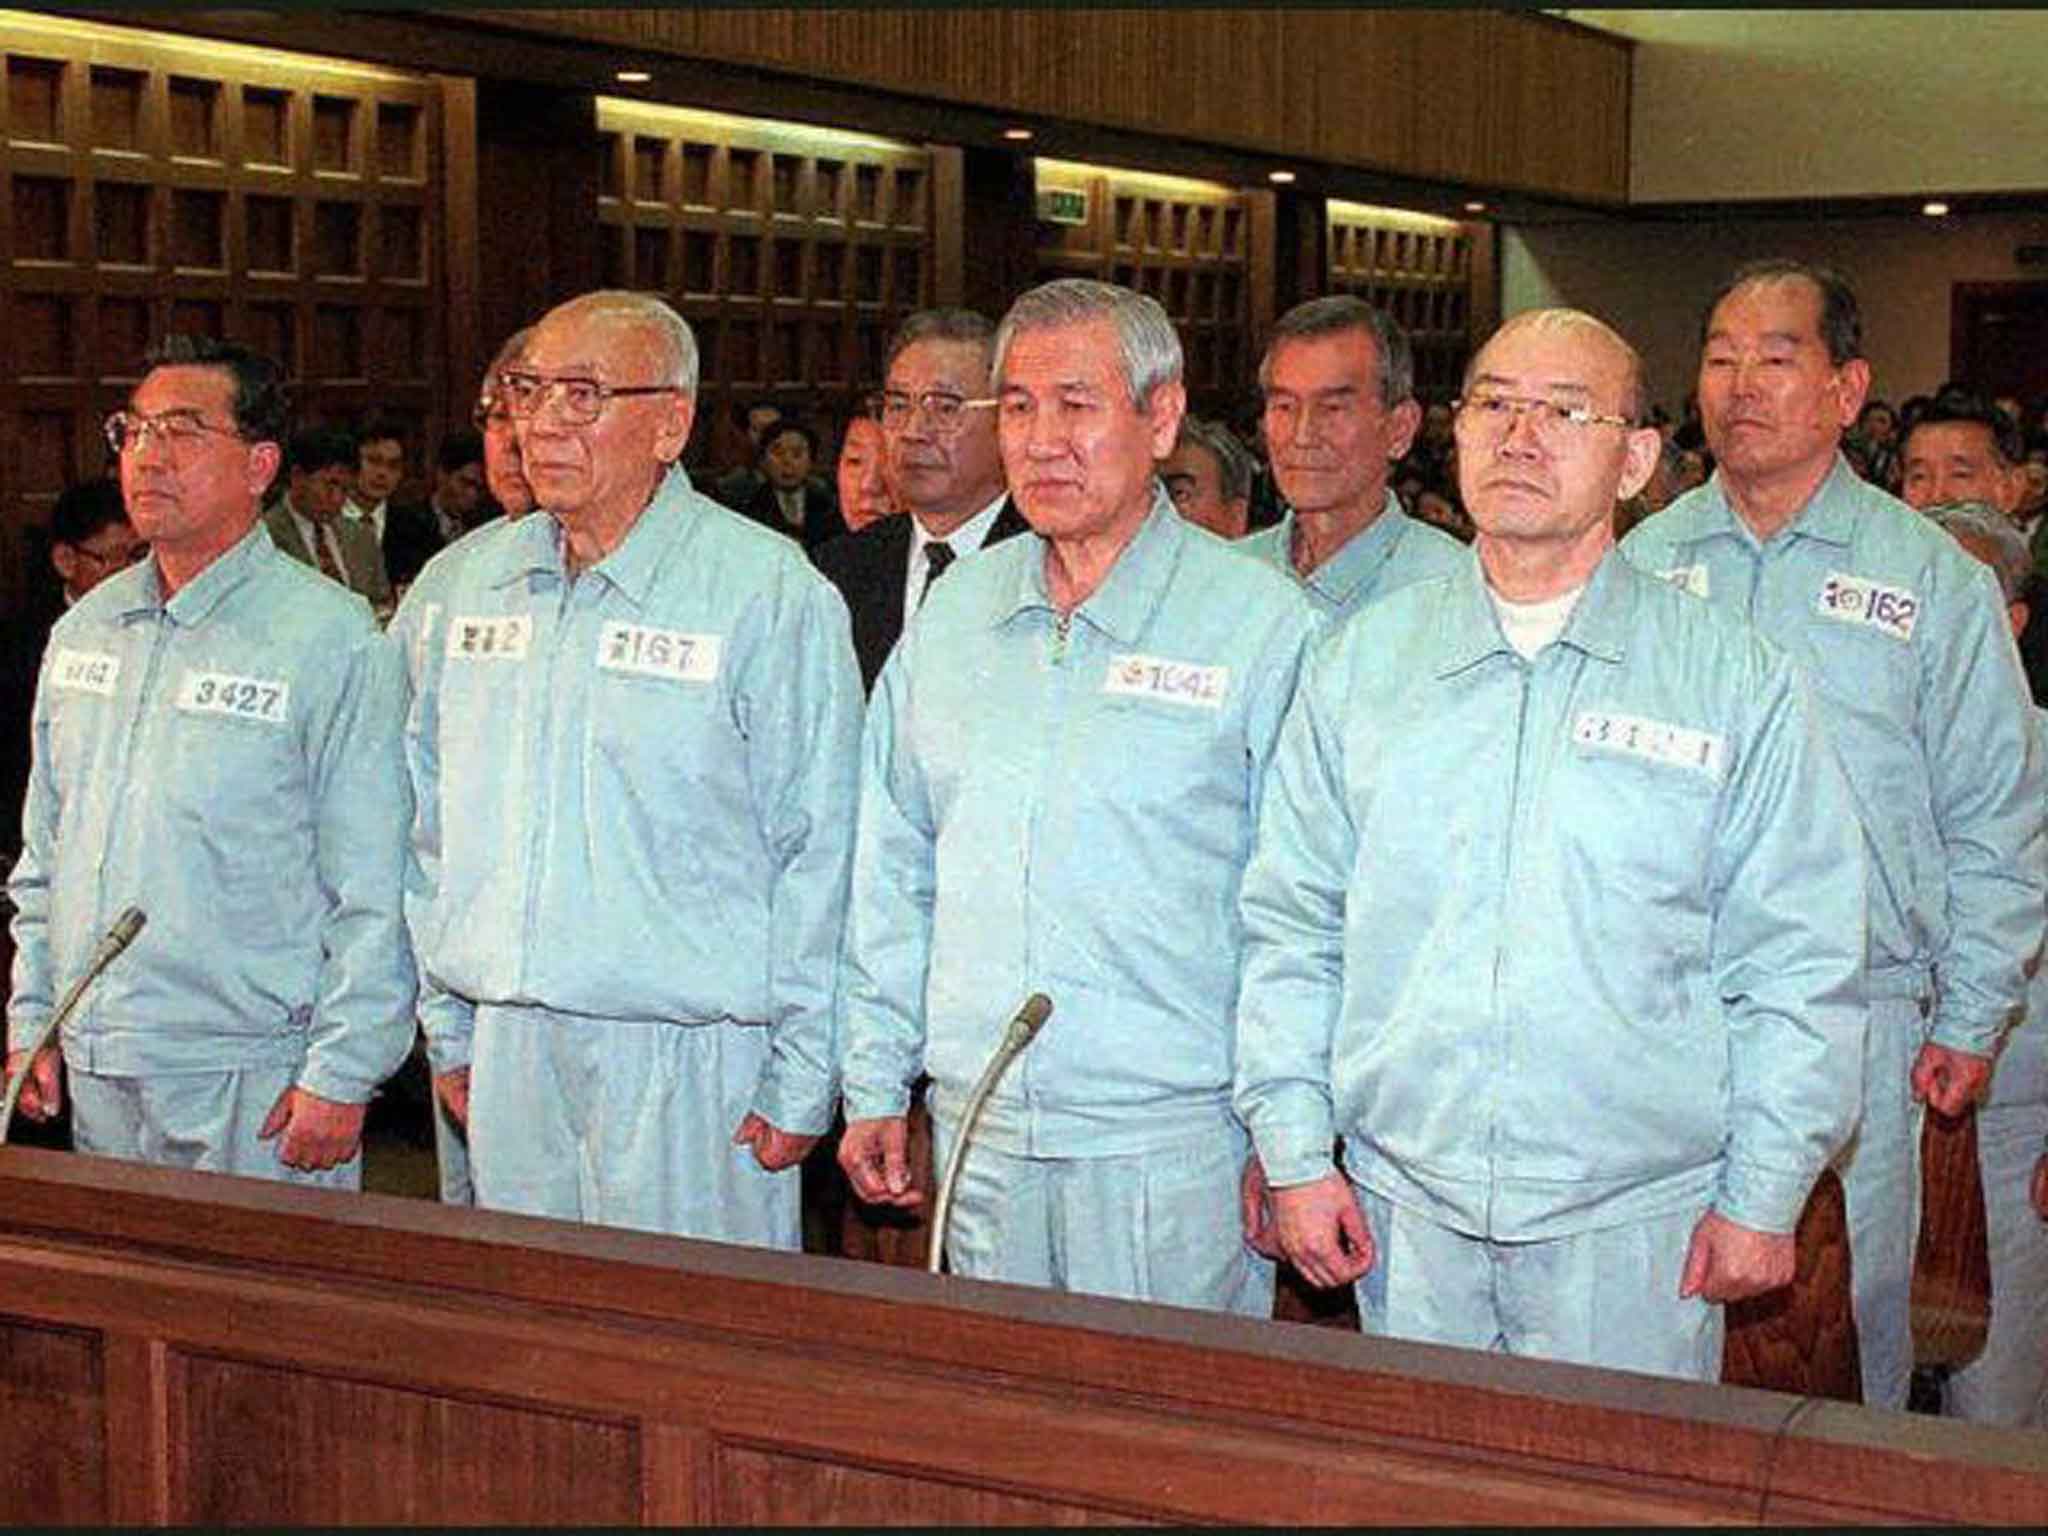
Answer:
(1280, 178)
(632, 77)
(1017, 135)
(1475, 207)
(1934, 210)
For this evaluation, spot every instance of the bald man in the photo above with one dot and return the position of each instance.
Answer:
(633, 734)
(1586, 1010)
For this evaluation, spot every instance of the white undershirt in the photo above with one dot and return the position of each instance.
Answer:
(374, 516)
(1531, 626)
(964, 540)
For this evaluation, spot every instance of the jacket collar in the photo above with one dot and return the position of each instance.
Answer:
(669, 519)
(1123, 605)
(142, 585)
(1598, 626)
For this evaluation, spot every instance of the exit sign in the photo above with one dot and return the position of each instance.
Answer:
(1058, 205)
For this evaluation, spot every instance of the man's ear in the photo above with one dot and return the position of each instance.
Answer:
(674, 435)
(1639, 461)
(1403, 422)
(265, 459)
(1855, 388)
(1163, 413)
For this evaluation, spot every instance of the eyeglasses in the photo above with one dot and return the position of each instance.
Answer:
(1495, 415)
(583, 400)
(945, 413)
(180, 432)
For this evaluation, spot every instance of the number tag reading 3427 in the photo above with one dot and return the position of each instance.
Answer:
(246, 698)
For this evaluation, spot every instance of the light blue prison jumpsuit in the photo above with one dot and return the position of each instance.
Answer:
(1065, 805)
(1389, 554)
(228, 760)
(636, 794)
(2008, 1382)
(1904, 639)
(1569, 949)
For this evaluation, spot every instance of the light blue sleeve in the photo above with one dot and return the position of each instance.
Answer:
(363, 1006)
(889, 918)
(28, 887)
(802, 720)
(447, 1020)
(1787, 959)
(1987, 775)
(1292, 989)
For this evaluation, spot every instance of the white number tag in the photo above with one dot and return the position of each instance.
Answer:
(85, 672)
(1852, 600)
(665, 653)
(489, 637)
(246, 698)
(1179, 682)
(1676, 745)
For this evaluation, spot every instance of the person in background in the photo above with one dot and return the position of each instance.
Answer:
(862, 475)
(789, 500)
(307, 524)
(1208, 478)
(1339, 380)
(2008, 1381)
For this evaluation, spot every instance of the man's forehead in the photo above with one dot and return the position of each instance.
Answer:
(1786, 306)
(1953, 439)
(1347, 351)
(938, 360)
(194, 385)
(1190, 457)
(380, 448)
(1579, 362)
(589, 341)
(1083, 353)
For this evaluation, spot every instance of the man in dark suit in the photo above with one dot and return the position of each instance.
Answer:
(415, 531)
(788, 499)
(306, 522)
(939, 431)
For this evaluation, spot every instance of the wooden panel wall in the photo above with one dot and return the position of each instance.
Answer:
(1186, 243)
(793, 254)
(191, 1348)
(152, 184)
(1504, 100)
(1421, 272)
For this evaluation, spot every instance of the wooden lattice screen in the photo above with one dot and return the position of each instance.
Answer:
(792, 251)
(1419, 271)
(155, 184)
(1186, 243)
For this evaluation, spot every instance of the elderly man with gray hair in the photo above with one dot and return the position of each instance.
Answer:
(2008, 1382)
(632, 738)
(1058, 791)
(1339, 381)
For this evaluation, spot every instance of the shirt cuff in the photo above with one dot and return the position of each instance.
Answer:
(1762, 1199)
(794, 1099)
(1294, 1137)
(1977, 1034)
(869, 1102)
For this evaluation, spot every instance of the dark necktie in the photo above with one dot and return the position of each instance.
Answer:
(937, 556)
(323, 553)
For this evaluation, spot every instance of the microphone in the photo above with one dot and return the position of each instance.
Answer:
(1023, 1030)
(119, 937)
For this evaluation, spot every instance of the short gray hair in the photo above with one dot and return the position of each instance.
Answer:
(962, 326)
(1148, 347)
(653, 314)
(1341, 312)
(1233, 463)
(2010, 558)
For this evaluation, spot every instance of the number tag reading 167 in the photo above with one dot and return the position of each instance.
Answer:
(246, 698)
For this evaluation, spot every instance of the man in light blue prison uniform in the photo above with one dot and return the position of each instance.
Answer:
(417, 626)
(1919, 687)
(2008, 1381)
(634, 743)
(216, 740)
(1061, 770)
(1339, 382)
(1556, 914)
